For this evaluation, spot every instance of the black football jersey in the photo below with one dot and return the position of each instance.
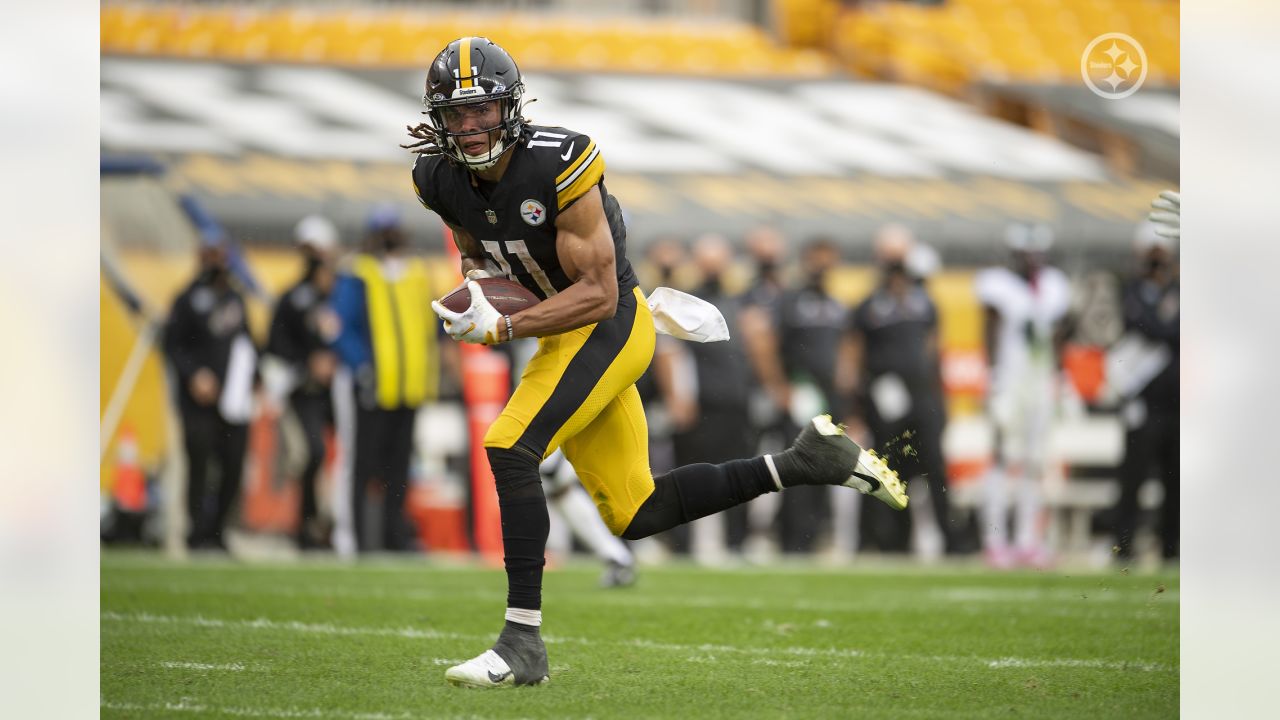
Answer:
(515, 219)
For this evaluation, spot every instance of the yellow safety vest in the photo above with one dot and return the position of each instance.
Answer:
(402, 331)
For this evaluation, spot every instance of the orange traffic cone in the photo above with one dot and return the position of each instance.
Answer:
(130, 489)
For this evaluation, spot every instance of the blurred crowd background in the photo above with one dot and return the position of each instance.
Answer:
(914, 215)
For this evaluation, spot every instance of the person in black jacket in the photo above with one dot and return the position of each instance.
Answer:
(810, 323)
(303, 327)
(891, 373)
(711, 423)
(1150, 412)
(207, 341)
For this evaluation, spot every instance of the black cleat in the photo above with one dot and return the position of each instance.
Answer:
(518, 658)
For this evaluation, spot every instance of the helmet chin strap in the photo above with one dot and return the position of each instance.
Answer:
(495, 154)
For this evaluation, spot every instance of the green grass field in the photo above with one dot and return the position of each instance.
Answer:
(216, 638)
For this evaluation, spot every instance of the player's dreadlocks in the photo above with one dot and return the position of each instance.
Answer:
(428, 143)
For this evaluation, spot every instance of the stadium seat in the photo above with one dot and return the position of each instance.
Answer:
(398, 37)
(944, 46)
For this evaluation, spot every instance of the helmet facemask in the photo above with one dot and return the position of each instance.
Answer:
(509, 127)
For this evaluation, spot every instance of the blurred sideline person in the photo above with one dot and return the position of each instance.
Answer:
(810, 324)
(1150, 390)
(567, 497)
(666, 388)
(529, 202)
(891, 372)
(659, 387)
(299, 366)
(382, 298)
(769, 395)
(771, 392)
(1025, 307)
(710, 423)
(207, 341)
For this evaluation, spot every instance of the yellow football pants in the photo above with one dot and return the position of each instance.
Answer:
(578, 391)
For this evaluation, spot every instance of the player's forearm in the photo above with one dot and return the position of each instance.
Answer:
(581, 304)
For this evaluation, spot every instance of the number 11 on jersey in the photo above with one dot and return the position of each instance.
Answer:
(520, 251)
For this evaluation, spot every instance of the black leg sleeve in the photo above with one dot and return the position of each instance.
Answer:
(400, 445)
(232, 444)
(1170, 474)
(198, 428)
(693, 491)
(1133, 471)
(525, 524)
(311, 412)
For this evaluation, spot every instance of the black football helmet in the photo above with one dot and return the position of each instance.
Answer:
(474, 70)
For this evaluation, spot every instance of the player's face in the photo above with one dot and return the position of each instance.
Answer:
(819, 260)
(1027, 262)
(476, 127)
(1157, 259)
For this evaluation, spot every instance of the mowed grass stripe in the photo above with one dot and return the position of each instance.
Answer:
(413, 633)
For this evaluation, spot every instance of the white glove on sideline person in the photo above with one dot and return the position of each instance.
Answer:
(1167, 214)
(479, 323)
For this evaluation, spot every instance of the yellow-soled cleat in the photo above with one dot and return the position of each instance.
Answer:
(874, 477)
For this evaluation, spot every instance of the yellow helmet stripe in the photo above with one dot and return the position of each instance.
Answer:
(464, 62)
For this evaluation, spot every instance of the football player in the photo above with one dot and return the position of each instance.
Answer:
(529, 202)
(1026, 308)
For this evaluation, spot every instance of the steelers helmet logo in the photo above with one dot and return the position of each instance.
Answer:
(1114, 66)
(533, 212)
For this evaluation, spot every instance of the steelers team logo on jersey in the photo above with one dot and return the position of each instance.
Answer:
(533, 212)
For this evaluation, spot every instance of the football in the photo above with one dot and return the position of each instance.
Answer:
(507, 296)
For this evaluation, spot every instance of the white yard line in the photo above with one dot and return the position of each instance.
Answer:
(286, 625)
(187, 705)
(706, 649)
(1091, 595)
(1013, 662)
(175, 665)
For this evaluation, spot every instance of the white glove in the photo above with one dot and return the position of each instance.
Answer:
(1167, 214)
(490, 269)
(479, 323)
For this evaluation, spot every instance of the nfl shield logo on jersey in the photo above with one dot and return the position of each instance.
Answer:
(533, 212)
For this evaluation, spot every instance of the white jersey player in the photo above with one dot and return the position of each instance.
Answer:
(1024, 305)
(567, 496)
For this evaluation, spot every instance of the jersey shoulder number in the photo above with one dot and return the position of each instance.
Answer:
(577, 161)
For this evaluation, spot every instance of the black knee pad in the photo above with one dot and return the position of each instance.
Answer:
(515, 473)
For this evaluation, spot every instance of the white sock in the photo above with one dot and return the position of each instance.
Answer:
(580, 514)
(525, 617)
(1028, 513)
(773, 471)
(995, 516)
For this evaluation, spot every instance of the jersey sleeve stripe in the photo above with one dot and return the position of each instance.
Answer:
(584, 158)
(416, 191)
(586, 178)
